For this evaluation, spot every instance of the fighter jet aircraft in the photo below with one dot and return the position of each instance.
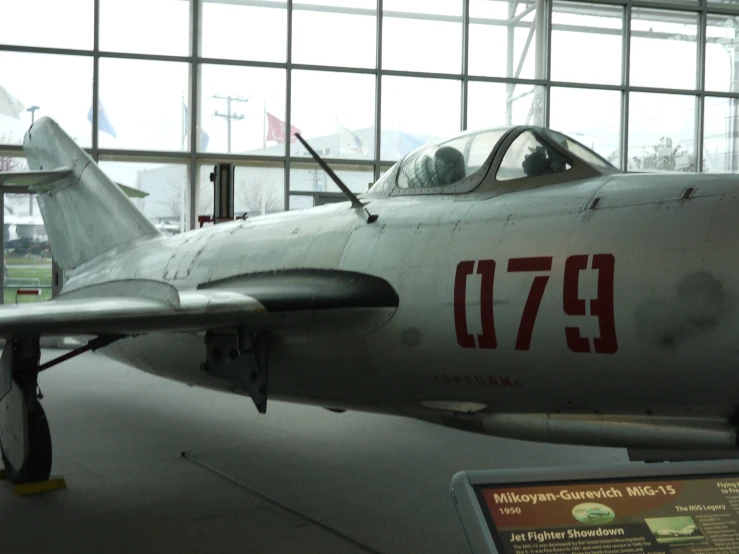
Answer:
(507, 281)
(684, 532)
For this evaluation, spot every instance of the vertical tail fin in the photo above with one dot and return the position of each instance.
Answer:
(85, 213)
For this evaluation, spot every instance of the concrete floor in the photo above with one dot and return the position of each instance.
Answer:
(320, 481)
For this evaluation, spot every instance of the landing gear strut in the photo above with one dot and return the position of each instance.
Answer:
(25, 440)
(241, 359)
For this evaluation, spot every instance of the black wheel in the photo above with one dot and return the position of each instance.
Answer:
(38, 464)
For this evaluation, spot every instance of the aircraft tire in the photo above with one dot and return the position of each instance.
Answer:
(38, 464)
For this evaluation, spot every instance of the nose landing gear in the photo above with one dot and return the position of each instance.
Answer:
(25, 440)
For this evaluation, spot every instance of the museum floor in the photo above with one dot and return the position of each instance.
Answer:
(298, 479)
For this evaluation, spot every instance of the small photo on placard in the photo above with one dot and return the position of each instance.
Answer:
(674, 530)
(593, 513)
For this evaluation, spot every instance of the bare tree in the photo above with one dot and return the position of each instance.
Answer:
(258, 195)
(6, 162)
(205, 206)
(9, 164)
(174, 200)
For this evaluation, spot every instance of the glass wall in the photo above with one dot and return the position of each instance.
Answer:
(650, 85)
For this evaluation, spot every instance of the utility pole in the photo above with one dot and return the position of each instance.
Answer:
(33, 109)
(229, 116)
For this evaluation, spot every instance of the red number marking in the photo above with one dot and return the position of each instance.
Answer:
(464, 338)
(602, 306)
(531, 309)
(572, 303)
(487, 339)
(542, 263)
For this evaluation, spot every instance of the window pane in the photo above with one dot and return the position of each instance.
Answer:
(495, 27)
(244, 32)
(138, 25)
(661, 41)
(11, 161)
(720, 146)
(416, 111)
(300, 202)
(721, 51)
(47, 23)
(527, 157)
(310, 177)
(166, 185)
(318, 32)
(142, 117)
(422, 35)
(336, 124)
(242, 124)
(29, 80)
(661, 132)
(598, 26)
(27, 254)
(591, 117)
(496, 104)
(258, 190)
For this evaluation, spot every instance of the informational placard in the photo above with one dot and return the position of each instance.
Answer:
(680, 515)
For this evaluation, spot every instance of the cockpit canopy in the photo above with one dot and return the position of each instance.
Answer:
(517, 156)
(447, 161)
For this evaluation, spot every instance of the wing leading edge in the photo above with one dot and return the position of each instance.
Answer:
(277, 301)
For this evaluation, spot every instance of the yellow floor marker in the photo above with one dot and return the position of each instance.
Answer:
(28, 489)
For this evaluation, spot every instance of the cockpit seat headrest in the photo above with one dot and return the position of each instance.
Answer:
(450, 165)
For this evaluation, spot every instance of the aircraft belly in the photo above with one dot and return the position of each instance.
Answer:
(320, 372)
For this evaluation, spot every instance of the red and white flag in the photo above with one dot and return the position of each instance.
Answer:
(276, 130)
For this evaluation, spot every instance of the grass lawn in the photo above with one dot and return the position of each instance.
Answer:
(32, 274)
(27, 261)
(43, 274)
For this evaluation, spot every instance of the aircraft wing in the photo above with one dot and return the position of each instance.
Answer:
(291, 301)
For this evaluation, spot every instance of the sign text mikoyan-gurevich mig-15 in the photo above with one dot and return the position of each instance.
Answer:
(506, 281)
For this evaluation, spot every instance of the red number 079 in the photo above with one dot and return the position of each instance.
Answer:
(600, 307)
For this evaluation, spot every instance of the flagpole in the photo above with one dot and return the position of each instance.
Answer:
(264, 130)
(184, 123)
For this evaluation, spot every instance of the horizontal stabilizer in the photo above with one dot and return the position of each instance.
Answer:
(46, 180)
(34, 178)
